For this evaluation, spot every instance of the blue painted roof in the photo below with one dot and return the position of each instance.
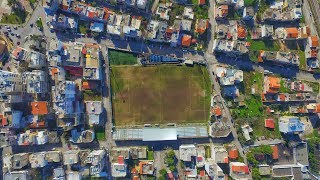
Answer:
(97, 27)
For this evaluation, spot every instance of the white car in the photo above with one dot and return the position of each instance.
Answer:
(267, 72)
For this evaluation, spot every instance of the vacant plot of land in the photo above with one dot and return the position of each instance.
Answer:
(121, 58)
(160, 94)
(254, 80)
(314, 85)
(302, 59)
(100, 133)
(267, 45)
(253, 113)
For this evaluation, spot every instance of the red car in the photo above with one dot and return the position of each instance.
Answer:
(69, 146)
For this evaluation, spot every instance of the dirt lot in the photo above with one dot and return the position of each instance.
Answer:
(160, 94)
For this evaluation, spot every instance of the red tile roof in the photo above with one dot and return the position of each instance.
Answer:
(141, 166)
(269, 123)
(169, 32)
(89, 85)
(107, 13)
(274, 84)
(54, 71)
(233, 154)
(202, 2)
(240, 169)
(39, 108)
(302, 110)
(317, 108)
(73, 70)
(202, 25)
(314, 52)
(282, 97)
(292, 32)
(134, 171)
(275, 153)
(229, 35)
(202, 173)
(260, 56)
(314, 41)
(78, 9)
(91, 14)
(241, 32)
(217, 111)
(16, 52)
(224, 10)
(186, 40)
(4, 121)
(120, 160)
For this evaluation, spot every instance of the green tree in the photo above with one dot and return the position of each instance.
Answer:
(172, 168)
(170, 161)
(12, 2)
(265, 149)
(313, 160)
(83, 29)
(256, 173)
(163, 174)
(252, 160)
(171, 154)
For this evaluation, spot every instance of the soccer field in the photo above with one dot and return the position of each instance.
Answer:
(160, 94)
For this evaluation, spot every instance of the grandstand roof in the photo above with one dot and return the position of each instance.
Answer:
(157, 134)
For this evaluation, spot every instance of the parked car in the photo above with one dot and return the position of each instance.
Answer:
(69, 146)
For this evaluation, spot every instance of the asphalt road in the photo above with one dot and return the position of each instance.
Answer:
(309, 17)
(211, 60)
(285, 71)
(315, 7)
(226, 110)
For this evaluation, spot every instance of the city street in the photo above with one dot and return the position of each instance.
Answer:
(312, 6)
(309, 19)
